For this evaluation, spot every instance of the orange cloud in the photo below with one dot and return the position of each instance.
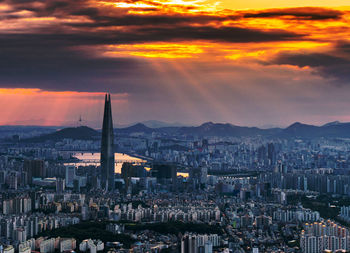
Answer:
(160, 48)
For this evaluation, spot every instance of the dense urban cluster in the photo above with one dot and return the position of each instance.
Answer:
(172, 193)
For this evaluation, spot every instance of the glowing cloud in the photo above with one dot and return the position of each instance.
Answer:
(210, 58)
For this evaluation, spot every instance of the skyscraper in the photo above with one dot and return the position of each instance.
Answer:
(107, 147)
(70, 175)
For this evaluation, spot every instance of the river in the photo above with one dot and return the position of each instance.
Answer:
(88, 158)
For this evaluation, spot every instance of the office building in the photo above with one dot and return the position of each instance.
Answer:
(107, 147)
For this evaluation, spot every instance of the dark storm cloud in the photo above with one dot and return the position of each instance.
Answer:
(53, 62)
(154, 20)
(306, 13)
(223, 34)
(167, 23)
(311, 60)
(47, 62)
(104, 17)
(59, 38)
(335, 64)
(51, 57)
(343, 48)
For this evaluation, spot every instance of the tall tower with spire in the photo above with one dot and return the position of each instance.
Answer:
(107, 147)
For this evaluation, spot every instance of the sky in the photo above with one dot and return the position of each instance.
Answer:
(254, 63)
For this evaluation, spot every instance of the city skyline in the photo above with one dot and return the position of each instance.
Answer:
(253, 63)
(174, 126)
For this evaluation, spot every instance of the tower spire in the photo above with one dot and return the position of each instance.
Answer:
(107, 147)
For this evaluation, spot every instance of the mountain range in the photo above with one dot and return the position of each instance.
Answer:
(75, 133)
(296, 130)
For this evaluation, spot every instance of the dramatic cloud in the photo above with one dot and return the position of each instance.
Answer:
(46, 48)
(306, 13)
(26, 61)
(213, 63)
(334, 64)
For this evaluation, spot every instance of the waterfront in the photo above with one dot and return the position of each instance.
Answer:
(89, 158)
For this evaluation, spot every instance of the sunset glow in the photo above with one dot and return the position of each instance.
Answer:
(58, 106)
(217, 60)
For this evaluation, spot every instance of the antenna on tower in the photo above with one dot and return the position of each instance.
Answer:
(80, 121)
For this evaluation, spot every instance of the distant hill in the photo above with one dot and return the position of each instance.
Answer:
(206, 129)
(75, 133)
(333, 129)
(296, 130)
(219, 129)
(299, 129)
(151, 124)
(160, 124)
(332, 123)
(138, 128)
